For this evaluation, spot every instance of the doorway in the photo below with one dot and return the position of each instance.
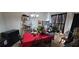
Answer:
(75, 24)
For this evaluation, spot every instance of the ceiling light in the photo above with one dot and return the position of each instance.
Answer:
(34, 15)
(37, 15)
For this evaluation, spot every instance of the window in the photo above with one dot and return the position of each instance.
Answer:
(59, 20)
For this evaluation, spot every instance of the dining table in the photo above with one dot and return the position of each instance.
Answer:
(29, 38)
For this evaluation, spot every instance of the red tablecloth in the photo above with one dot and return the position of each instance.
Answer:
(29, 38)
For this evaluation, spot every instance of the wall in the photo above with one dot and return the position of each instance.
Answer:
(13, 19)
(2, 23)
(69, 21)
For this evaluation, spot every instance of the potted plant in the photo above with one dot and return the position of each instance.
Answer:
(53, 30)
(40, 29)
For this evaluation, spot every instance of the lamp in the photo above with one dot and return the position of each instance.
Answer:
(34, 15)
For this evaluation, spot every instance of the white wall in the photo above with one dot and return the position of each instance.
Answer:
(13, 19)
(2, 23)
(69, 21)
